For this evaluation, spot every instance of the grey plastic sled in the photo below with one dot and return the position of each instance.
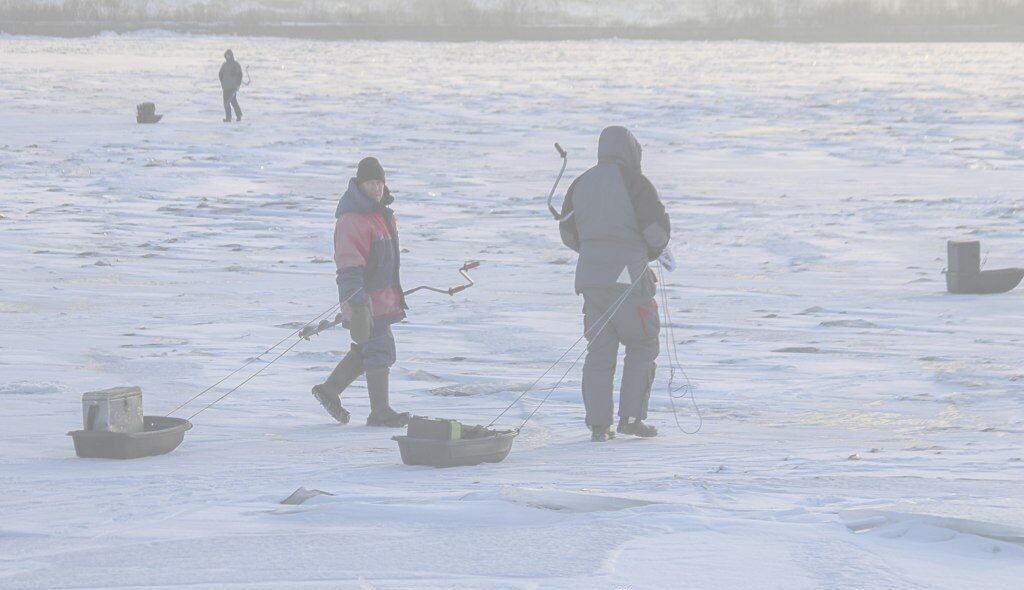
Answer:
(965, 277)
(477, 445)
(161, 436)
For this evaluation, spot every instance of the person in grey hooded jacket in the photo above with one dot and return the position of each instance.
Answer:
(612, 216)
(230, 81)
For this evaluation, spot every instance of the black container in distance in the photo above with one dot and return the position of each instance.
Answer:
(965, 277)
(145, 112)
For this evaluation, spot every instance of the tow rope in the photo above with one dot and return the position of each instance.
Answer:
(311, 328)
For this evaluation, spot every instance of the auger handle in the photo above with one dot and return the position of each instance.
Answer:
(464, 271)
(565, 160)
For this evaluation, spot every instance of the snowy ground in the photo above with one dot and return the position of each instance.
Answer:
(862, 428)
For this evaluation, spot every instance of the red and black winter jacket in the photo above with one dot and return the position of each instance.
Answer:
(367, 255)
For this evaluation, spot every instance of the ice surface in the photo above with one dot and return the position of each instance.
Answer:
(812, 189)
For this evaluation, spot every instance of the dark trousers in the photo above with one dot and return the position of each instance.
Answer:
(636, 325)
(231, 100)
(378, 352)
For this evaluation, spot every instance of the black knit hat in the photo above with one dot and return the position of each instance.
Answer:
(369, 169)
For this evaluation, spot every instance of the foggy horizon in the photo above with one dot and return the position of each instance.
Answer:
(651, 18)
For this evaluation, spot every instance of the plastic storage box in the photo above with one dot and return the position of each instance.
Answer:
(118, 409)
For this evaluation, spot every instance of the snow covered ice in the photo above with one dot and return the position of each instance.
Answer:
(862, 428)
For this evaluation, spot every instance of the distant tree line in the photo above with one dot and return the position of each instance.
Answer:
(605, 13)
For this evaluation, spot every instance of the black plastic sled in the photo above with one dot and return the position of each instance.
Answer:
(472, 445)
(965, 277)
(985, 282)
(161, 436)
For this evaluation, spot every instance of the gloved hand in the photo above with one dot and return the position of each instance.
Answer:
(667, 260)
(361, 323)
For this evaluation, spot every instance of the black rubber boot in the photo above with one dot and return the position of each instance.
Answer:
(381, 413)
(637, 428)
(601, 433)
(332, 403)
(328, 393)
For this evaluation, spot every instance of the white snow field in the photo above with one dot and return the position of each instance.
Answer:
(862, 428)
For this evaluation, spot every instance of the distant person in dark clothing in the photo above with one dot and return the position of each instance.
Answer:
(230, 82)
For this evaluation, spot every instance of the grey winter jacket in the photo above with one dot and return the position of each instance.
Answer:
(613, 217)
(230, 75)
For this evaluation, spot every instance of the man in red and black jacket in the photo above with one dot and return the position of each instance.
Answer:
(367, 255)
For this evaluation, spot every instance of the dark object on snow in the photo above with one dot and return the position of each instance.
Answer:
(161, 436)
(145, 112)
(964, 275)
(476, 445)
